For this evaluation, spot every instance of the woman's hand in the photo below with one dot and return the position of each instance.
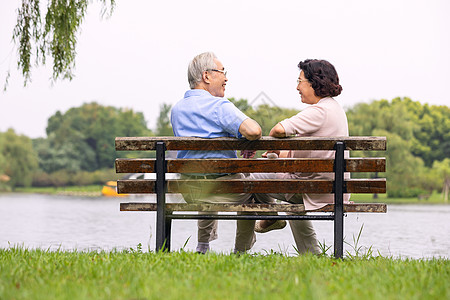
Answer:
(281, 154)
(277, 152)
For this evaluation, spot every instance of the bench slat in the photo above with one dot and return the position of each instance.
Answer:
(144, 186)
(267, 208)
(265, 143)
(147, 165)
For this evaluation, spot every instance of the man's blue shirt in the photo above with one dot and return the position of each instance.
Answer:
(199, 114)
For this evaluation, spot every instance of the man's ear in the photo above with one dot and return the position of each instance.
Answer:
(205, 77)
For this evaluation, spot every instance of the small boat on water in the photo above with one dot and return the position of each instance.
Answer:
(110, 188)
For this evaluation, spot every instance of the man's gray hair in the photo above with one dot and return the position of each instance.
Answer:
(198, 65)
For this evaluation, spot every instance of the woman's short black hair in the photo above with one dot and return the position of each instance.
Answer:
(323, 77)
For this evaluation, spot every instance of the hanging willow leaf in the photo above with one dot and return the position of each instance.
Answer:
(55, 36)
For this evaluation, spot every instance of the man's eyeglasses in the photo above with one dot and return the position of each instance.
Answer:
(301, 80)
(221, 71)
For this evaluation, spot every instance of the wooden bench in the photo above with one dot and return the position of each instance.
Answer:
(166, 212)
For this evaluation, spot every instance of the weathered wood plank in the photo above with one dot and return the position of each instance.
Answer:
(265, 143)
(365, 186)
(365, 164)
(266, 208)
(218, 186)
(142, 165)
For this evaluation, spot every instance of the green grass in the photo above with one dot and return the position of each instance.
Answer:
(435, 198)
(38, 274)
(89, 189)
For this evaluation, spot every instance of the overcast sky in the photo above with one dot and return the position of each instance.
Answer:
(138, 58)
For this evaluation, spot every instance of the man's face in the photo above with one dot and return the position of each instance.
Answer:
(217, 80)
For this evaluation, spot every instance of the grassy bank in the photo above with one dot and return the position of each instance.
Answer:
(434, 198)
(88, 190)
(37, 274)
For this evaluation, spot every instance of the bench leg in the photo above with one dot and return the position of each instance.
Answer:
(339, 200)
(168, 234)
(161, 218)
(163, 230)
(338, 235)
(160, 231)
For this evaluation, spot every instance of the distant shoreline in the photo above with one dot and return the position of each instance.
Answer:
(85, 191)
(96, 191)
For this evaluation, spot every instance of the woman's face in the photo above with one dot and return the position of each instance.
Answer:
(306, 90)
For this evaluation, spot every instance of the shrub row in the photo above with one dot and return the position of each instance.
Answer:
(66, 178)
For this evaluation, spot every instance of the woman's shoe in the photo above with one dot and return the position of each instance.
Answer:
(279, 224)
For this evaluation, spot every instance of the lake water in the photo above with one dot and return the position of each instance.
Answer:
(95, 223)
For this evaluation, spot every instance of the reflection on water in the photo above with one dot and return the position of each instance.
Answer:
(67, 222)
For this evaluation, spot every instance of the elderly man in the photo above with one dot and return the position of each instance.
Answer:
(203, 112)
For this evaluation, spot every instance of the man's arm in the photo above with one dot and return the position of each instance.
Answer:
(278, 131)
(250, 129)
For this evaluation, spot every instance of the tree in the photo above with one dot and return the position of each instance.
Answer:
(441, 175)
(426, 127)
(241, 104)
(405, 172)
(432, 137)
(3, 177)
(72, 155)
(380, 118)
(2, 157)
(266, 116)
(417, 134)
(55, 35)
(83, 137)
(20, 160)
(163, 125)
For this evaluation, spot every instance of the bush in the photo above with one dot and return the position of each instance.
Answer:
(4, 187)
(81, 178)
(67, 178)
(405, 192)
(96, 177)
(60, 178)
(41, 179)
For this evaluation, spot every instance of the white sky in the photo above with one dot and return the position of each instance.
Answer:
(138, 58)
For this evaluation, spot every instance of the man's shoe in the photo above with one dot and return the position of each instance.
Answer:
(202, 248)
(279, 224)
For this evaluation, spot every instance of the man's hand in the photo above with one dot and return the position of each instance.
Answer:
(248, 153)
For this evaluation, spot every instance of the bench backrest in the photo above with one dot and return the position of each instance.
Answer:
(149, 165)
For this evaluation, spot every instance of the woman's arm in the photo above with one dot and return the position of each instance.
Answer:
(278, 131)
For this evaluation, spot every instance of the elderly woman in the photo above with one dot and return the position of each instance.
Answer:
(317, 83)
